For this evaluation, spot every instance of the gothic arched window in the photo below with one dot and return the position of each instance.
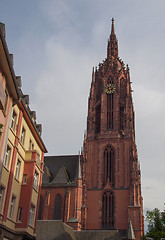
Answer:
(40, 208)
(58, 207)
(108, 210)
(109, 161)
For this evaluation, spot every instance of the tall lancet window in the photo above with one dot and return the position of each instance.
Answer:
(121, 117)
(58, 207)
(110, 108)
(108, 210)
(109, 160)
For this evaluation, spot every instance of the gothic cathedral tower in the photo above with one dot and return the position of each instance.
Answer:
(110, 168)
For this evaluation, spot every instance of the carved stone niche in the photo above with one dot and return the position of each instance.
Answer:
(26, 99)
(33, 115)
(39, 128)
(18, 81)
(2, 28)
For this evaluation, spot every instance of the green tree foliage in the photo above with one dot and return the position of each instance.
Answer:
(156, 224)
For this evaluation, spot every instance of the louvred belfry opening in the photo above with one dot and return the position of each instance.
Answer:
(110, 105)
(110, 111)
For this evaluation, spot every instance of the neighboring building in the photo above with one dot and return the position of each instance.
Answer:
(8, 90)
(61, 193)
(110, 182)
(22, 168)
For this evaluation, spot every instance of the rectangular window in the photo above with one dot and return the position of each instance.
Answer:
(13, 120)
(17, 170)
(19, 214)
(31, 216)
(2, 192)
(35, 183)
(38, 156)
(24, 180)
(12, 205)
(23, 135)
(7, 157)
(30, 143)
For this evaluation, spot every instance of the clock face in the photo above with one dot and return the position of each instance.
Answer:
(110, 88)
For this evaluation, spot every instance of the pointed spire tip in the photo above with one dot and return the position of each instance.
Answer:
(112, 27)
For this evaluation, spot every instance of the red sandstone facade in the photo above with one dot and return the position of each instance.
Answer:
(107, 195)
(110, 168)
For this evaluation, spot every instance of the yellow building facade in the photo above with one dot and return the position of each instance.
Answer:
(8, 90)
(22, 158)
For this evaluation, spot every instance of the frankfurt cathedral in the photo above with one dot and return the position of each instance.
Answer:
(100, 189)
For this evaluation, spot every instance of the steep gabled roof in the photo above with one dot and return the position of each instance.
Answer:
(61, 170)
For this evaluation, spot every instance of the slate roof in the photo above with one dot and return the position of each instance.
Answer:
(61, 170)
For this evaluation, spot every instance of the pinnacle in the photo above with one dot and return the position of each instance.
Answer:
(112, 43)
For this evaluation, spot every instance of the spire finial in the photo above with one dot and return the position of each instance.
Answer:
(112, 28)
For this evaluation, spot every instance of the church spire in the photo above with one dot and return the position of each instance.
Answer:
(112, 49)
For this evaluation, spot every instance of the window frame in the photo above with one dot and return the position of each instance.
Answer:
(36, 178)
(13, 120)
(19, 218)
(12, 206)
(32, 215)
(7, 156)
(17, 169)
(108, 210)
(2, 195)
(109, 165)
(24, 179)
(22, 138)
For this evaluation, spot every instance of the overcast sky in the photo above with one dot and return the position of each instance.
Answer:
(55, 45)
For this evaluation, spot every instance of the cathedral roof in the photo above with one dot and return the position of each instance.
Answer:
(61, 170)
